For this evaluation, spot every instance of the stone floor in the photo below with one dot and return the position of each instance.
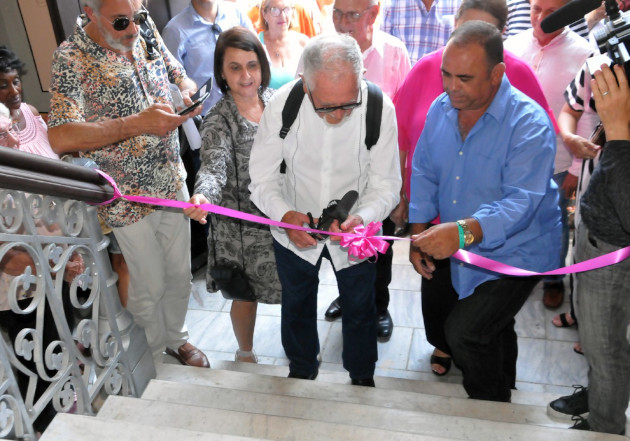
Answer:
(546, 361)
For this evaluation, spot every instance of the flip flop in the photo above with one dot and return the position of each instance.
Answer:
(445, 362)
(564, 323)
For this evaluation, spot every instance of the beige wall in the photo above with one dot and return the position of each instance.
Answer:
(25, 27)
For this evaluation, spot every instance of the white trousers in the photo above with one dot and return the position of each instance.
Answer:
(157, 251)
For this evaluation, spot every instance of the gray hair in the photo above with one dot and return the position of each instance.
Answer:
(332, 54)
(4, 111)
(95, 5)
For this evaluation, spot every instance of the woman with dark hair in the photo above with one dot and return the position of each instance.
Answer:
(242, 72)
(30, 127)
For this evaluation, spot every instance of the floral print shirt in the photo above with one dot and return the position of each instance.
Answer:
(91, 84)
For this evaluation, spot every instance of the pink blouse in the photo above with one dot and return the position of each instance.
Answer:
(34, 136)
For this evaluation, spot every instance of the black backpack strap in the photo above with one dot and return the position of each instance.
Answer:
(373, 114)
(289, 113)
(153, 52)
(291, 107)
(372, 117)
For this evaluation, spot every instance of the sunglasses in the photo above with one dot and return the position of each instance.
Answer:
(122, 23)
(324, 110)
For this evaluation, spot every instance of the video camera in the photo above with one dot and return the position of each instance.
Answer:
(613, 40)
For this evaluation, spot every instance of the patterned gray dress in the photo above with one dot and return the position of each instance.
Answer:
(227, 139)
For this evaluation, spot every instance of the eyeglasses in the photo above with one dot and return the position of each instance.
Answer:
(351, 16)
(4, 135)
(275, 12)
(331, 109)
(122, 23)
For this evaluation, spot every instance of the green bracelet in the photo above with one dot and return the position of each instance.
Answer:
(462, 237)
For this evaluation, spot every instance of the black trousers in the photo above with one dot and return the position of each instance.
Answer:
(480, 333)
(384, 270)
(13, 323)
(438, 300)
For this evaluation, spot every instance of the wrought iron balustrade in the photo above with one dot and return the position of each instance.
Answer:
(80, 344)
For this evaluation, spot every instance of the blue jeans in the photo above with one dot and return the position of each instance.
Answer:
(300, 281)
(563, 203)
(602, 307)
(480, 333)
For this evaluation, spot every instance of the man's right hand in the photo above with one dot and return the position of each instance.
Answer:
(159, 119)
(301, 239)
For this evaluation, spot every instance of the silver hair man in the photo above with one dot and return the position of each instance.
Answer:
(331, 54)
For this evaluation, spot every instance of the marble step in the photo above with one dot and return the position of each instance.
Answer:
(68, 427)
(219, 421)
(462, 420)
(231, 382)
(181, 373)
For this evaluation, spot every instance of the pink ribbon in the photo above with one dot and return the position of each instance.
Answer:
(363, 243)
(587, 265)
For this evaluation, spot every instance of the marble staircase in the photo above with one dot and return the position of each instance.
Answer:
(241, 401)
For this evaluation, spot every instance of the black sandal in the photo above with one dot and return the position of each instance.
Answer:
(445, 362)
(563, 320)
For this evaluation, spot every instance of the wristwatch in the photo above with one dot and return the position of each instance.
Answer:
(468, 236)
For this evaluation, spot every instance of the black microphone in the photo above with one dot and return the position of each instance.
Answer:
(569, 13)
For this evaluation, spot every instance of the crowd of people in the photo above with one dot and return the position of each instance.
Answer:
(460, 120)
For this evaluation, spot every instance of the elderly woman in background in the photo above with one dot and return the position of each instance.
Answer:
(30, 127)
(283, 45)
(228, 130)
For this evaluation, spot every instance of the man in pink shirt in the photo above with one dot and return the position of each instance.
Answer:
(422, 85)
(385, 57)
(386, 63)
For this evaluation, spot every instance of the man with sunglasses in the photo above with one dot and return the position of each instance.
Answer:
(191, 36)
(111, 102)
(386, 63)
(326, 156)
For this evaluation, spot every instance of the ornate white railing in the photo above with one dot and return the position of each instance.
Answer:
(74, 344)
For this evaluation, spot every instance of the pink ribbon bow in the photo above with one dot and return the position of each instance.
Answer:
(363, 244)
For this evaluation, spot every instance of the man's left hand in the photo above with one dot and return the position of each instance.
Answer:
(346, 227)
(439, 242)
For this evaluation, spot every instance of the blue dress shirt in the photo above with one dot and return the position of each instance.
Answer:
(192, 40)
(500, 176)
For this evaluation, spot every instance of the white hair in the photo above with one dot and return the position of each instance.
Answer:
(332, 53)
(4, 111)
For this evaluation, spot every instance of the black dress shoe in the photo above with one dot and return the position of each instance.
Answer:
(303, 377)
(368, 382)
(334, 310)
(385, 326)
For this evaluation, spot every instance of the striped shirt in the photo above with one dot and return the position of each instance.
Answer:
(422, 31)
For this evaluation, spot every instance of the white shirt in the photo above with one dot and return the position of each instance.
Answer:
(555, 66)
(323, 163)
